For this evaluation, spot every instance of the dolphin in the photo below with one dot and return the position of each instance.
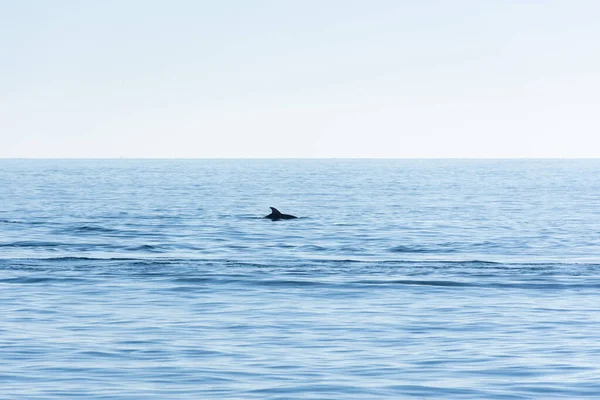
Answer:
(276, 215)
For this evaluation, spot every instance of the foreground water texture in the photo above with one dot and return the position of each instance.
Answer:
(403, 279)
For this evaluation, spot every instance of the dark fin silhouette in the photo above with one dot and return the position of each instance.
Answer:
(276, 215)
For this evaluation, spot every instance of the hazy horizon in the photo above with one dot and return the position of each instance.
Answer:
(335, 79)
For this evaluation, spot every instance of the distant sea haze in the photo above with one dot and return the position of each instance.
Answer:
(399, 279)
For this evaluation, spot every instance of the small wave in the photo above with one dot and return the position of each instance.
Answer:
(278, 262)
(484, 284)
(12, 221)
(146, 248)
(552, 286)
(312, 247)
(193, 280)
(445, 262)
(31, 244)
(39, 279)
(352, 249)
(441, 248)
(408, 249)
(413, 282)
(289, 283)
(93, 229)
(71, 258)
(444, 248)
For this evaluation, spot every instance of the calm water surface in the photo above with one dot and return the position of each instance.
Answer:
(415, 279)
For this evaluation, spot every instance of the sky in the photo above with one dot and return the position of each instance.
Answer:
(282, 78)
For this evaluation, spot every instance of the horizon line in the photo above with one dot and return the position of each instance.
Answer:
(303, 158)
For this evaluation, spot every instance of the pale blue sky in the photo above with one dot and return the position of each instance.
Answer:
(328, 78)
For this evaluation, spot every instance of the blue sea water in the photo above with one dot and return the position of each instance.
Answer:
(402, 279)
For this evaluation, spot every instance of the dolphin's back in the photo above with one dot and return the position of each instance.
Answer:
(276, 215)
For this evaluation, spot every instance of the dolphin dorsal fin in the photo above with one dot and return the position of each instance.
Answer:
(275, 211)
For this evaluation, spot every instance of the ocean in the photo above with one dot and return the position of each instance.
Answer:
(401, 279)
